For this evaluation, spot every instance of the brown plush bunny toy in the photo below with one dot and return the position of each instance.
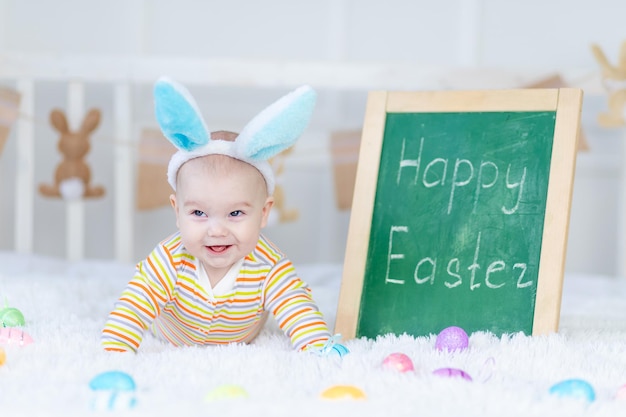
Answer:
(72, 176)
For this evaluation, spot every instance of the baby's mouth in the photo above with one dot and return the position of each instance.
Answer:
(218, 248)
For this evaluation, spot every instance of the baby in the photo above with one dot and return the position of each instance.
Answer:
(215, 280)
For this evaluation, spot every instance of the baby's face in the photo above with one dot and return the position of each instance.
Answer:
(221, 205)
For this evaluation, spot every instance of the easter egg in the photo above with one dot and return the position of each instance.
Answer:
(14, 336)
(337, 392)
(398, 362)
(575, 388)
(11, 317)
(339, 350)
(112, 380)
(332, 348)
(113, 390)
(452, 373)
(452, 338)
(3, 356)
(226, 392)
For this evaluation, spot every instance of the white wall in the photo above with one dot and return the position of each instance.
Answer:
(450, 43)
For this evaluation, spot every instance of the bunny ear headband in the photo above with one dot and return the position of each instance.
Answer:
(273, 130)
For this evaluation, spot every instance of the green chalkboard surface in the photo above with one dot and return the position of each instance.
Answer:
(464, 200)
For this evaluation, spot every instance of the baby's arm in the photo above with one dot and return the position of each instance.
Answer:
(290, 301)
(136, 308)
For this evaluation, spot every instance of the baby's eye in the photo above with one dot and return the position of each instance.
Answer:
(198, 213)
(236, 213)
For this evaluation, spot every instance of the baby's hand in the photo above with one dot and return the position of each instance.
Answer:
(331, 347)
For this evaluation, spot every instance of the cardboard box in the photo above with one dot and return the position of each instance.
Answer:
(9, 111)
(345, 155)
(154, 153)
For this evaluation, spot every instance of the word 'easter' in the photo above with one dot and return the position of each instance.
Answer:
(497, 274)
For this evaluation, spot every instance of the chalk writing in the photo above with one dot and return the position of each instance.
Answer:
(497, 274)
(435, 174)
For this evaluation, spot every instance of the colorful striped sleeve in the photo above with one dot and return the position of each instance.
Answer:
(141, 300)
(290, 300)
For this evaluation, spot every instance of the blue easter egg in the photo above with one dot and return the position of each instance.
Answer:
(575, 388)
(114, 390)
(340, 350)
(112, 380)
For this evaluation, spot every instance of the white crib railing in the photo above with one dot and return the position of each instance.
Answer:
(75, 209)
(25, 169)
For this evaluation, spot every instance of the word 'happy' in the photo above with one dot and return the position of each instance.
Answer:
(486, 174)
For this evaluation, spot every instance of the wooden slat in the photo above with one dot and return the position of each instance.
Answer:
(124, 173)
(25, 169)
(75, 209)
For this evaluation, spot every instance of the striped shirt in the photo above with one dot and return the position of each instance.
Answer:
(166, 297)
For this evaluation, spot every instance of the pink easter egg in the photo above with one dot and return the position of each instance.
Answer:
(452, 373)
(452, 338)
(398, 362)
(14, 336)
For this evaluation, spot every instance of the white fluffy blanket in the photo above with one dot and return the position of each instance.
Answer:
(65, 305)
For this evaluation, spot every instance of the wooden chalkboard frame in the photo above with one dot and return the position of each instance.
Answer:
(565, 102)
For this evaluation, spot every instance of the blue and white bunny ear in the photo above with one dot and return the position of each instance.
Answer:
(178, 115)
(273, 130)
(278, 126)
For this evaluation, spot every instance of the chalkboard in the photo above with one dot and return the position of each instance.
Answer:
(460, 212)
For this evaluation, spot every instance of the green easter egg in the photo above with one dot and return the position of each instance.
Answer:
(11, 317)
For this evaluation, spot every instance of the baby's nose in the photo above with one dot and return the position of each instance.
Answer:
(216, 227)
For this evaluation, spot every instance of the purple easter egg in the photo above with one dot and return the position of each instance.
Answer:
(452, 373)
(398, 362)
(452, 338)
